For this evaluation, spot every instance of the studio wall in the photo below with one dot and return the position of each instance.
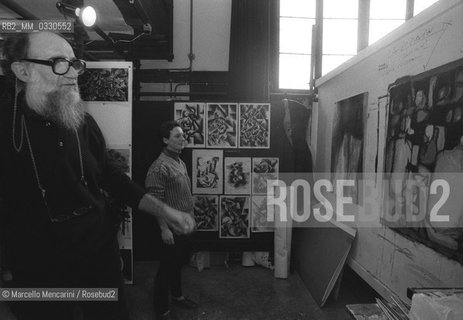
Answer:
(388, 260)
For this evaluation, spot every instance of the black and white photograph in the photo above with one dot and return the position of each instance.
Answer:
(231, 159)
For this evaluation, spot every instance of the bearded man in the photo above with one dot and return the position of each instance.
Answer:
(58, 230)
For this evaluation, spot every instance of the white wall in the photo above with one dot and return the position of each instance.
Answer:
(388, 261)
(211, 36)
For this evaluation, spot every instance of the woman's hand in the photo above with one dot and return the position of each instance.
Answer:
(167, 236)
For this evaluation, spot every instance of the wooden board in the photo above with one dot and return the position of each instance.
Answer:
(317, 269)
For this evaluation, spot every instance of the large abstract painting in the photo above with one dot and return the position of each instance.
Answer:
(190, 117)
(254, 125)
(234, 217)
(347, 143)
(424, 147)
(222, 125)
(207, 171)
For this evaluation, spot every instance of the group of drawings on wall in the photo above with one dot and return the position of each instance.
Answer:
(223, 187)
(224, 125)
(424, 143)
(241, 207)
(104, 84)
(348, 139)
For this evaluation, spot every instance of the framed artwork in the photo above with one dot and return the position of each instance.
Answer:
(348, 140)
(207, 171)
(190, 117)
(104, 84)
(263, 169)
(206, 212)
(121, 157)
(254, 125)
(222, 125)
(234, 217)
(237, 175)
(259, 215)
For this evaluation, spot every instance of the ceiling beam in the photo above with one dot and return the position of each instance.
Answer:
(142, 10)
(109, 41)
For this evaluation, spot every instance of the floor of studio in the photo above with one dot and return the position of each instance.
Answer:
(234, 292)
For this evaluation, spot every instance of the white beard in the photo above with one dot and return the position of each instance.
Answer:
(62, 106)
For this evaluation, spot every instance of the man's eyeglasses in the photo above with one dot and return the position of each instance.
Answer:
(61, 66)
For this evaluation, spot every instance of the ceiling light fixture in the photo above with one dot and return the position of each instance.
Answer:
(86, 14)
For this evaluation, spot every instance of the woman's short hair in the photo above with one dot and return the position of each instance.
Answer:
(166, 128)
